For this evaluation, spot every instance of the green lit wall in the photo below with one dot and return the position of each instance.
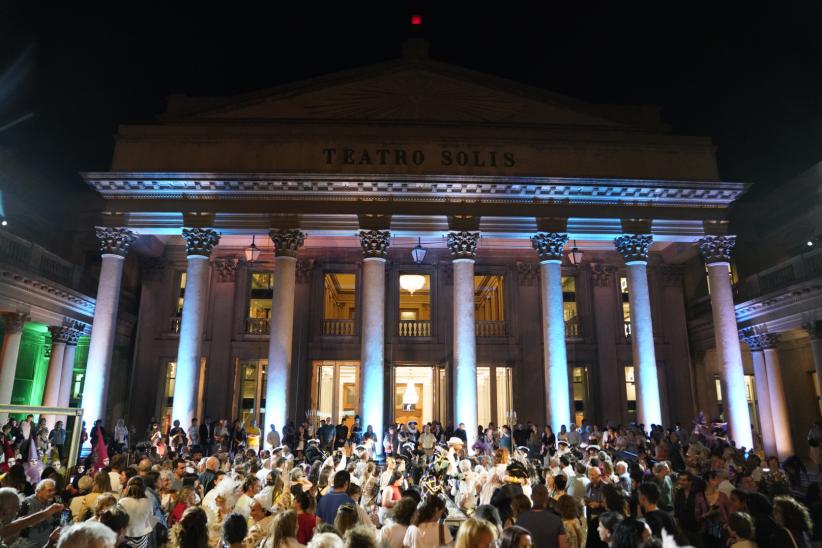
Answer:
(32, 365)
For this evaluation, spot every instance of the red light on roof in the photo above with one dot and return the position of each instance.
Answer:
(416, 19)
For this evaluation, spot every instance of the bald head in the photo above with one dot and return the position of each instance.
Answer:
(212, 463)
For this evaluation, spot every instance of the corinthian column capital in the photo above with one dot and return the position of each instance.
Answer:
(60, 334)
(549, 245)
(200, 241)
(633, 247)
(15, 321)
(114, 241)
(287, 242)
(716, 249)
(375, 243)
(463, 245)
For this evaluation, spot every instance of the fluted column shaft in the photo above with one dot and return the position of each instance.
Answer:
(716, 250)
(372, 334)
(199, 244)
(549, 246)
(463, 246)
(278, 397)
(763, 394)
(634, 249)
(114, 244)
(12, 334)
(779, 402)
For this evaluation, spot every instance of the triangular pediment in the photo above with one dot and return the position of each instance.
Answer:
(408, 92)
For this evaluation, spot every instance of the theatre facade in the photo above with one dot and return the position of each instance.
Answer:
(429, 243)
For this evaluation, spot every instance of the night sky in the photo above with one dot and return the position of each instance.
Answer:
(753, 83)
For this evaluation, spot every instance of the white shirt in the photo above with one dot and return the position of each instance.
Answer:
(114, 477)
(140, 516)
(426, 535)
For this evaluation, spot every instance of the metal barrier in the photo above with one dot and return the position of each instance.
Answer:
(74, 443)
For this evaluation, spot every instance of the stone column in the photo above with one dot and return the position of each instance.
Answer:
(12, 334)
(716, 251)
(199, 244)
(814, 330)
(59, 337)
(634, 250)
(549, 246)
(114, 245)
(372, 361)
(779, 402)
(463, 246)
(763, 395)
(67, 374)
(278, 390)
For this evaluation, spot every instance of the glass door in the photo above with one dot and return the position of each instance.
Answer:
(579, 384)
(335, 391)
(252, 390)
(494, 402)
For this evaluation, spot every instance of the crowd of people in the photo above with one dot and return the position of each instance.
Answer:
(332, 485)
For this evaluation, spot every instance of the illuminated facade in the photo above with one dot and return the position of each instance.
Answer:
(565, 245)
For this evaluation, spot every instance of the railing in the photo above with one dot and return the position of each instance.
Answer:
(36, 259)
(795, 270)
(626, 329)
(338, 328)
(174, 325)
(415, 328)
(486, 328)
(257, 326)
(573, 328)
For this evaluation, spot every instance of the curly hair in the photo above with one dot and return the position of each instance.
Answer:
(193, 529)
(794, 515)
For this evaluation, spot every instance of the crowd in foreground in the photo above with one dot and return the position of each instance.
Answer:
(219, 485)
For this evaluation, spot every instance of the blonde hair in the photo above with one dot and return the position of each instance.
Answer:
(471, 529)
(285, 527)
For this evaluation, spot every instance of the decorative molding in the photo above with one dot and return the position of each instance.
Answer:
(73, 337)
(48, 290)
(463, 245)
(716, 249)
(226, 268)
(768, 304)
(814, 329)
(14, 322)
(527, 273)
(60, 334)
(487, 189)
(287, 242)
(200, 241)
(375, 243)
(672, 275)
(549, 245)
(633, 247)
(303, 271)
(602, 274)
(114, 240)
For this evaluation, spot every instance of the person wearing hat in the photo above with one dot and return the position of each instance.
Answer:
(454, 454)
(262, 520)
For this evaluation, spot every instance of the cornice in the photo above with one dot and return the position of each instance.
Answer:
(414, 188)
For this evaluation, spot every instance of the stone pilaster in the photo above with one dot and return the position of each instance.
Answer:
(634, 249)
(778, 397)
(279, 395)
(60, 335)
(716, 251)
